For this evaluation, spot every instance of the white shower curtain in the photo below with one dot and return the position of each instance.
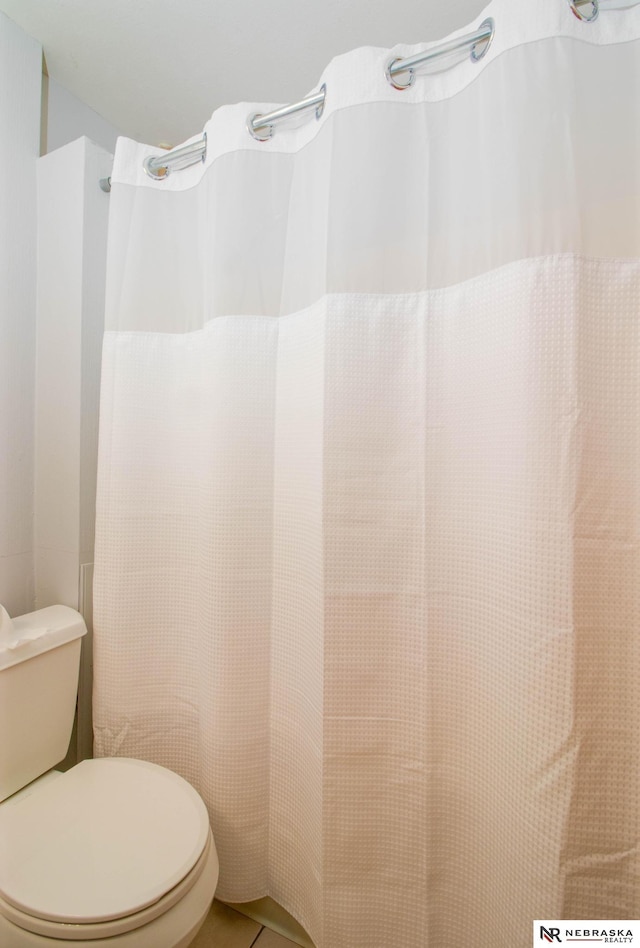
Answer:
(368, 562)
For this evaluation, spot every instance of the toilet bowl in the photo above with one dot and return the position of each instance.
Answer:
(115, 852)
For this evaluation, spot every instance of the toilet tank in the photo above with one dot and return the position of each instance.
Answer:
(39, 665)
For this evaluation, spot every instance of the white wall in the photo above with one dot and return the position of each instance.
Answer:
(72, 232)
(72, 235)
(20, 87)
(72, 239)
(69, 119)
(55, 475)
(53, 227)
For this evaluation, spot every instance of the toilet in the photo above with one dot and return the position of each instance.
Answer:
(114, 853)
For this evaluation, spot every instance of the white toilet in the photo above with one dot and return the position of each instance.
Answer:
(114, 853)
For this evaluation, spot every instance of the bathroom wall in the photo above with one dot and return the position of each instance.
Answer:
(68, 119)
(72, 217)
(53, 227)
(48, 443)
(20, 90)
(72, 236)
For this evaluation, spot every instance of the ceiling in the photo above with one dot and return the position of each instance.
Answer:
(157, 69)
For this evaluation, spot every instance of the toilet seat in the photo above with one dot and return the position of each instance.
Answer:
(104, 849)
(207, 866)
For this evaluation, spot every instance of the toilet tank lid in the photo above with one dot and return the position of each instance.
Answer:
(37, 632)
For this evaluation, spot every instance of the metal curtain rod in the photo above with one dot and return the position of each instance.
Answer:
(480, 41)
(261, 127)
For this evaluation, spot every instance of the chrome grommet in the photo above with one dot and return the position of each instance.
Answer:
(158, 174)
(391, 78)
(480, 49)
(575, 9)
(252, 129)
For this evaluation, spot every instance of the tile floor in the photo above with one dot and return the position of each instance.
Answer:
(226, 928)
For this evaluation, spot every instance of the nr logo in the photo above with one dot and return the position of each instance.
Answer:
(550, 934)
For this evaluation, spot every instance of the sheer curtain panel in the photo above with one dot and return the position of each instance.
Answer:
(367, 555)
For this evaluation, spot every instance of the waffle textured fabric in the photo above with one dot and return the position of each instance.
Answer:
(368, 535)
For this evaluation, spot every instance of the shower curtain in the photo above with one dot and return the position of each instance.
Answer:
(367, 559)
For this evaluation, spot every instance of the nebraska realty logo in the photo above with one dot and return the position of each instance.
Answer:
(606, 932)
